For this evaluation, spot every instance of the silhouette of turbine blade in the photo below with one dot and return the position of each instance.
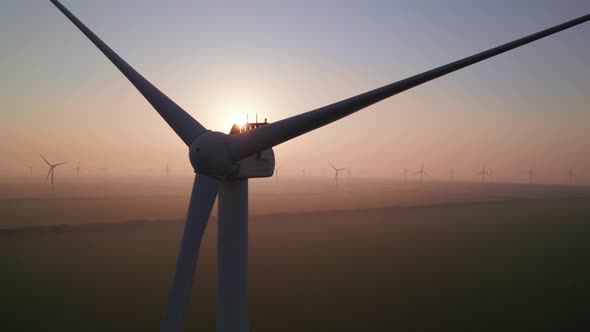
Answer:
(251, 142)
(185, 126)
(331, 165)
(48, 173)
(48, 163)
(201, 202)
(65, 162)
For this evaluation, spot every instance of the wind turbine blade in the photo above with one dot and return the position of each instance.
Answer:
(48, 163)
(65, 162)
(201, 202)
(48, 173)
(185, 126)
(331, 165)
(250, 142)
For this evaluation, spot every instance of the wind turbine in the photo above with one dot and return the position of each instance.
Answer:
(77, 169)
(31, 170)
(105, 170)
(405, 174)
(51, 170)
(301, 171)
(531, 174)
(571, 175)
(223, 163)
(348, 172)
(452, 175)
(422, 173)
(277, 174)
(483, 173)
(337, 171)
(167, 170)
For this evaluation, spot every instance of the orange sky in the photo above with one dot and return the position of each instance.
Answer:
(525, 109)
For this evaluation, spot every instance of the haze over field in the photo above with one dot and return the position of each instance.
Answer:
(433, 257)
(528, 108)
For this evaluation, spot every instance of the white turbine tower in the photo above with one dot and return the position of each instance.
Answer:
(51, 170)
(223, 163)
(422, 173)
(336, 171)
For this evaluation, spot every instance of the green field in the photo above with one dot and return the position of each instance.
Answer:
(490, 266)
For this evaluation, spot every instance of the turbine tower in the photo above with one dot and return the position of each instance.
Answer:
(277, 174)
(77, 169)
(531, 175)
(31, 170)
(348, 173)
(452, 175)
(422, 173)
(51, 170)
(571, 176)
(167, 170)
(224, 163)
(337, 171)
(483, 173)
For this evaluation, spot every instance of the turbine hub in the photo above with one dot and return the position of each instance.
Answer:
(209, 155)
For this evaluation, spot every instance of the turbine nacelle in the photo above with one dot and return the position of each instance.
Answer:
(209, 155)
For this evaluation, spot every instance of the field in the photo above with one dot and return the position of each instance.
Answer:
(368, 255)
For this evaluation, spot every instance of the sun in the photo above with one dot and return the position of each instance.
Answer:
(239, 119)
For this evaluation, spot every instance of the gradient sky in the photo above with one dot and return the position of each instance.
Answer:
(217, 59)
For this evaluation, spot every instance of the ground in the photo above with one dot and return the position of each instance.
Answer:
(367, 255)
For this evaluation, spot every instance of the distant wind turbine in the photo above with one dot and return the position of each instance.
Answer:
(348, 172)
(531, 174)
(422, 173)
(336, 170)
(277, 174)
(571, 175)
(405, 174)
(51, 170)
(167, 170)
(77, 169)
(301, 171)
(483, 173)
(452, 175)
(31, 170)
(105, 170)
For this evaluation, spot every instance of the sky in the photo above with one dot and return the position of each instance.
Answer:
(220, 59)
